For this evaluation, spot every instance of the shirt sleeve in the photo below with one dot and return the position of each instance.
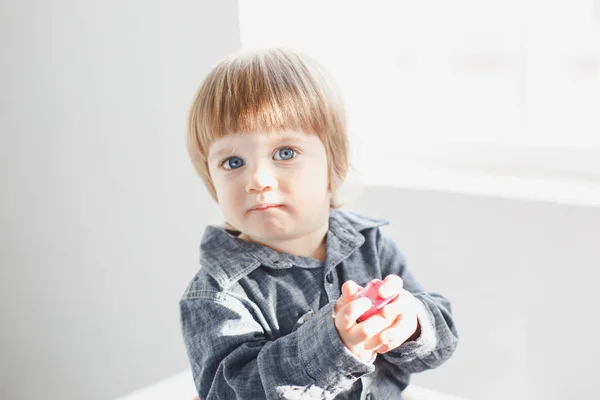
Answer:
(232, 357)
(438, 337)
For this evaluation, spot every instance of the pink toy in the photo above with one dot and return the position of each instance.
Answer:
(371, 291)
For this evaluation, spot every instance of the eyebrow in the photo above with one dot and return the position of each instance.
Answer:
(220, 153)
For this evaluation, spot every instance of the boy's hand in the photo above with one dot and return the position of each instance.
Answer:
(401, 315)
(349, 291)
(362, 339)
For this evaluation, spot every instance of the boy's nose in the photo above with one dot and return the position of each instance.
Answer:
(261, 178)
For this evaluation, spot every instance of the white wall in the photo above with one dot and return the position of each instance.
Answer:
(101, 213)
(522, 277)
(101, 216)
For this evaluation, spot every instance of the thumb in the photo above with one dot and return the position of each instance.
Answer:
(349, 290)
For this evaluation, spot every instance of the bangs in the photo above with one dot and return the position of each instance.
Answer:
(267, 92)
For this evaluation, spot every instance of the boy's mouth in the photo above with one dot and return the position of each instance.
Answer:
(263, 207)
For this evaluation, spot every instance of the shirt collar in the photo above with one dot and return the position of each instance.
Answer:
(227, 258)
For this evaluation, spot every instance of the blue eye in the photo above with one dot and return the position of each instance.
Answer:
(285, 153)
(233, 163)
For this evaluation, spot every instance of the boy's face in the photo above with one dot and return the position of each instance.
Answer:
(271, 186)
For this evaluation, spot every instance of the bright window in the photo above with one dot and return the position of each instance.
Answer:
(494, 97)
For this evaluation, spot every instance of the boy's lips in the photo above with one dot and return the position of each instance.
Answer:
(265, 206)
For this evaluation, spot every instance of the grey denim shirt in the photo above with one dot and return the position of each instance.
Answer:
(257, 323)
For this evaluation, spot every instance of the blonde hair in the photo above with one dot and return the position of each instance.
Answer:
(268, 90)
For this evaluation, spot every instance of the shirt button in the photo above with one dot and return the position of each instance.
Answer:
(369, 396)
(330, 277)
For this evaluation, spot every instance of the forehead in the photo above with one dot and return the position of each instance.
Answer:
(233, 141)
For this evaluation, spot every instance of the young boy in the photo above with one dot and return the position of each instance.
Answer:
(273, 312)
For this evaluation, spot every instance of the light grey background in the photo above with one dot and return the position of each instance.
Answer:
(522, 277)
(101, 216)
(101, 213)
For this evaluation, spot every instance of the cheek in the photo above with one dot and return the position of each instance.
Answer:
(320, 171)
(223, 189)
(313, 178)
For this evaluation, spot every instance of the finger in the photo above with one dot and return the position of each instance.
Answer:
(372, 335)
(349, 290)
(387, 348)
(401, 305)
(368, 329)
(374, 344)
(391, 337)
(394, 336)
(348, 314)
(392, 284)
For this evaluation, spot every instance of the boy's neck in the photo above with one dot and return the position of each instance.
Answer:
(312, 245)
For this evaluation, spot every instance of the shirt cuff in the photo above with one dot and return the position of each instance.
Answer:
(323, 354)
(427, 340)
